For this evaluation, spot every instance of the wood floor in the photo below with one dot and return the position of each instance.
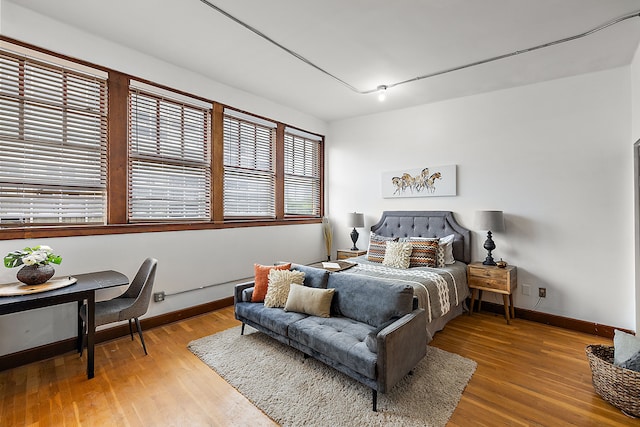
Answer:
(528, 375)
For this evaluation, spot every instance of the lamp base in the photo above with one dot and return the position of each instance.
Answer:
(354, 239)
(489, 260)
(489, 245)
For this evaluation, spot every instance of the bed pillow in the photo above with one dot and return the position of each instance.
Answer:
(425, 252)
(445, 251)
(397, 254)
(261, 280)
(279, 283)
(312, 301)
(378, 246)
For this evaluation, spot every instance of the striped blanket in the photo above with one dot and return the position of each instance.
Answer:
(438, 289)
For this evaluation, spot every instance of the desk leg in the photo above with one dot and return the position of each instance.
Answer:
(91, 331)
(80, 328)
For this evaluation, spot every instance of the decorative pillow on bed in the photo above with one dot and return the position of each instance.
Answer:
(261, 279)
(397, 254)
(445, 250)
(279, 283)
(378, 246)
(448, 249)
(424, 253)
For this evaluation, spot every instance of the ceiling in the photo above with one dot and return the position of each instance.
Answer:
(365, 43)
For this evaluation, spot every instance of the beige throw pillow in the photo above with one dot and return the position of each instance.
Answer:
(278, 289)
(313, 301)
(397, 254)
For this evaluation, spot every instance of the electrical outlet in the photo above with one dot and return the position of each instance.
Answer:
(526, 289)
(158, 296)
(542, 292)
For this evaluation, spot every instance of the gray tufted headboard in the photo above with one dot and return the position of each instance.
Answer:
(426, 224)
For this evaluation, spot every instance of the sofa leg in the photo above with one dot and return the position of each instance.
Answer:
(375, 400)
(305, 355)
(242, 330)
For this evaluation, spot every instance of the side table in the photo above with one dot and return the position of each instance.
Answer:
(493, 279)
(348, 253)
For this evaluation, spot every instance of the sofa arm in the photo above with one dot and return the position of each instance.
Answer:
(237, 291)
(401, 346)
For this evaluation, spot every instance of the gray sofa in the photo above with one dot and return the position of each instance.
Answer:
(375, 333)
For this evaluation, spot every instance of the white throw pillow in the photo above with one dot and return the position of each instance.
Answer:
(279, 283)
(397, 254)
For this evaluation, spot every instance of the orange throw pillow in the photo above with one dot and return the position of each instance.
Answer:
(261, 281)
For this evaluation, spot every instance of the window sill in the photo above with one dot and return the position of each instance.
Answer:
(11, 233)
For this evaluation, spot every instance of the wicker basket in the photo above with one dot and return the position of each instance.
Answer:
(616, 385)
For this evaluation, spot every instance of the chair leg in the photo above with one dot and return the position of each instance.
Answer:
(375, 400)
(141, 337)
(131, 330)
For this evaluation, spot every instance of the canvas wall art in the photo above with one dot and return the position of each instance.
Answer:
(429, 181)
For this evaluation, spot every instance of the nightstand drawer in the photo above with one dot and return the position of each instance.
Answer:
(348, 253)
(482, 282)
(488, 273)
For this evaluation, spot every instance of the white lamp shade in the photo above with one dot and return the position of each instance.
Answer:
(355, 220)
(490, 220)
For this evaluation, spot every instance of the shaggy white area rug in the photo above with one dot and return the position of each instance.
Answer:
(295, 391)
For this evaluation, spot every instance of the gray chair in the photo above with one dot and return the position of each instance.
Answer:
(130, 305)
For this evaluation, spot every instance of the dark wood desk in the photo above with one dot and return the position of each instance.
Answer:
(84, 289)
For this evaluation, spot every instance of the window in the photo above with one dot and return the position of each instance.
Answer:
(53, 135)
(84, 145)
(301, 173)
(249, 170)
(169, 158)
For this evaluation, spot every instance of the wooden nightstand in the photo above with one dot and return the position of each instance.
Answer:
(348, 253)
(493, 279)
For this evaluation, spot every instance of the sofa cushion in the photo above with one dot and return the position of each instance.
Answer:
(340, 339)
(313, 277)
(369, 299)
(274, 319)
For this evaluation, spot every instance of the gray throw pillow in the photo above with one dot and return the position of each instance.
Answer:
(633, 363)
(625, 346)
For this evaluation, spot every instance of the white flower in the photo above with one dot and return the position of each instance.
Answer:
(35, 257)
(44, 248)
(29, 260)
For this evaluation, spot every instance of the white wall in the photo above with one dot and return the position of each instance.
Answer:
(556, 157)
(187, 260)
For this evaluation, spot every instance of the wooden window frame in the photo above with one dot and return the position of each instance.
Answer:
(117, 171)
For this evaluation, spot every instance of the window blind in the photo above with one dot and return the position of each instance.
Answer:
(249, 170)
(53, 135)
(169, 159)
(302, 174)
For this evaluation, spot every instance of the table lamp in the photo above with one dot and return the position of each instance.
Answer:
(489, 220)
(355, 220)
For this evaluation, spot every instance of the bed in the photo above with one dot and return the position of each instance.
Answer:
(440, 291)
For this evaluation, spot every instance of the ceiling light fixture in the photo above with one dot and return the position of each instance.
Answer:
(383, 88)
